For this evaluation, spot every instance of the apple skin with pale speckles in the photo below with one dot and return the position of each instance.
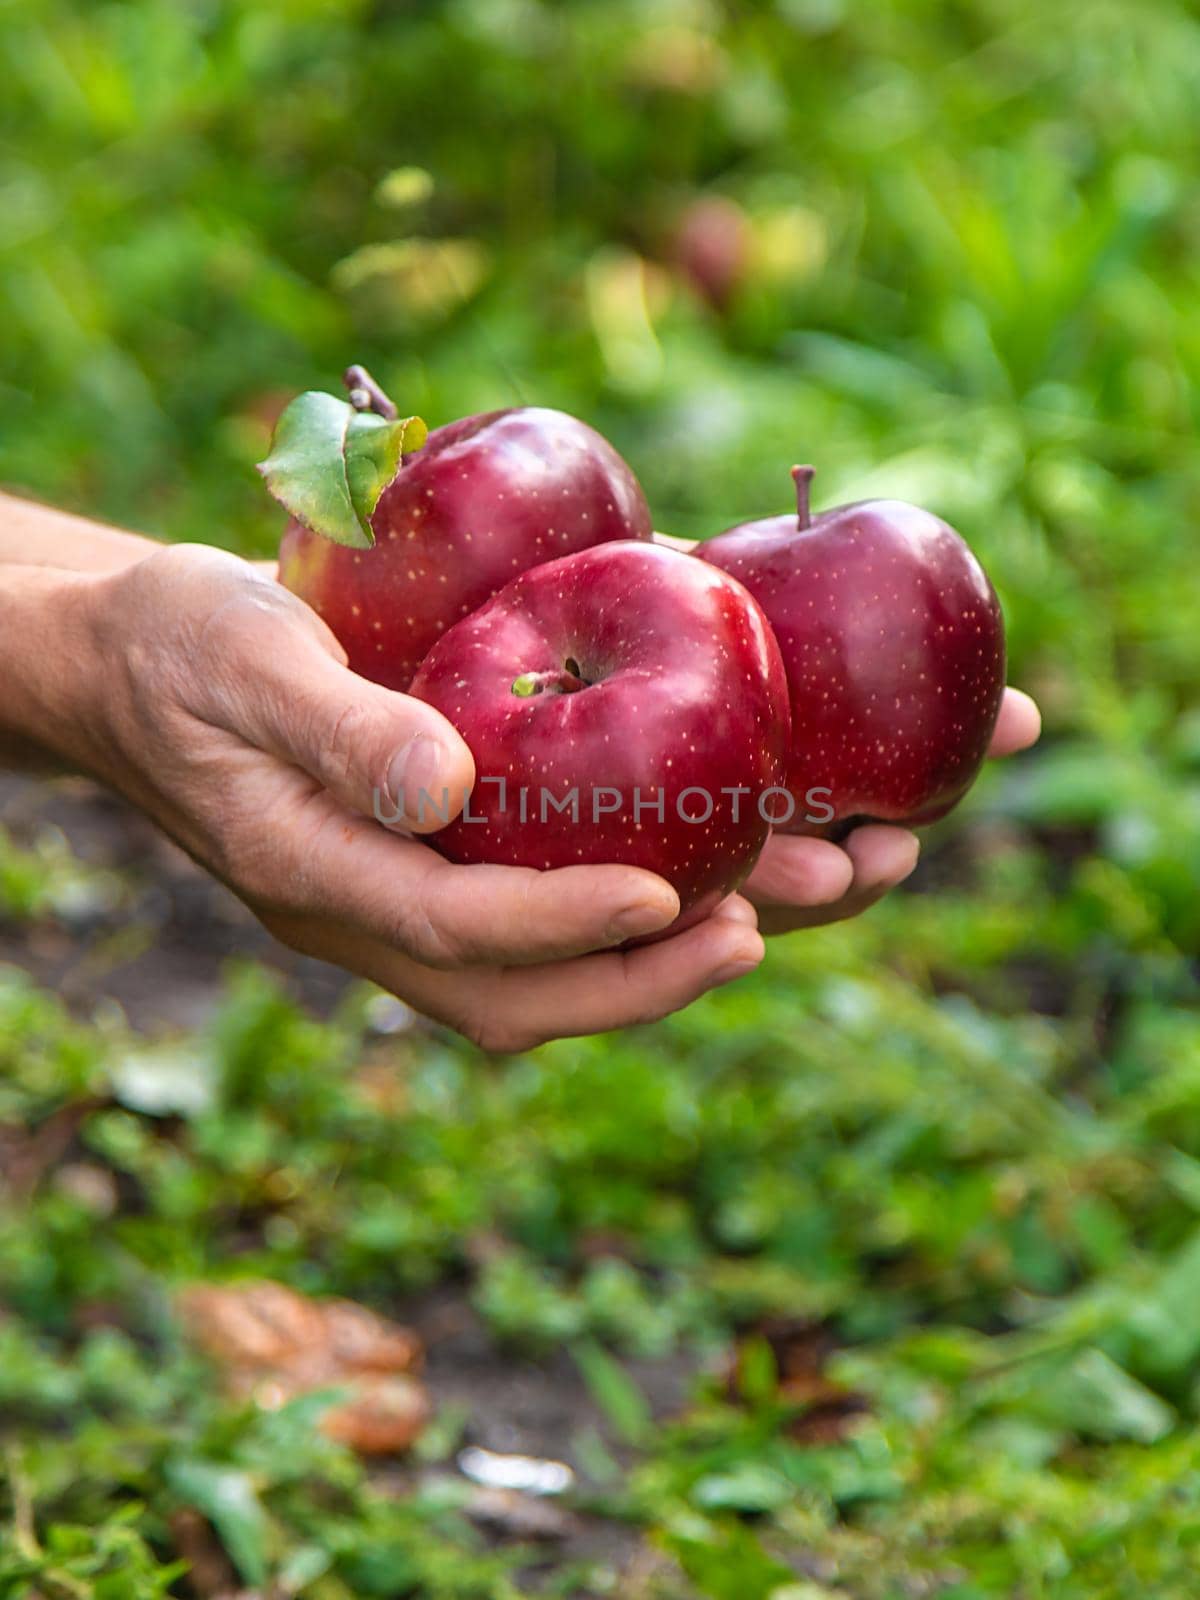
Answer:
(893, 642)
(484, 499)
(629, 668)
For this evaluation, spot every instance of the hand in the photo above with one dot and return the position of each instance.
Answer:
(803, 883)
(221, 705)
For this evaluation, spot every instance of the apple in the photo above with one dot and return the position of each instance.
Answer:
(713, 248)
(623, 704)
(893, 643)
(484, 498)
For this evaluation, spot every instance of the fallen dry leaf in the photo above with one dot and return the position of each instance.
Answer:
(28, 1154)
(383, 1415)
(257, 1325)
(801, 1349)
(275, 1344)
(360, 1339)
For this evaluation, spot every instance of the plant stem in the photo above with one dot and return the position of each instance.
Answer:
(24, 1533)
(366, 395)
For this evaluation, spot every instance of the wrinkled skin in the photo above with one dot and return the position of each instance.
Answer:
(486, 498)
(653, 673)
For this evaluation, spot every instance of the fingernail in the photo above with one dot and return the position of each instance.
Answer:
(416, 779)
(647, 916)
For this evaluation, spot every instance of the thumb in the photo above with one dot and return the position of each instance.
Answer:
(378, 752)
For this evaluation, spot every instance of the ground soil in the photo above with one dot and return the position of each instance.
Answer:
(159, 953)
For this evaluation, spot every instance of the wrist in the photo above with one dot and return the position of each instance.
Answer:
(49, 666)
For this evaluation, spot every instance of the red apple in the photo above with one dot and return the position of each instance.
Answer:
(713, 248)
(642, 683)
(893, 642)
(484, 499)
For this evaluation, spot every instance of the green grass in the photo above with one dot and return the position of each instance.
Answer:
(966, 1130)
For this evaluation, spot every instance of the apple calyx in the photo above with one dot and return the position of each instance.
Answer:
(331, 459)
(568, 680)
(802, 477)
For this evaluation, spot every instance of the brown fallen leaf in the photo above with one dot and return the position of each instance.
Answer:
(275, 1344)
(382, 1415)
(264, 1325)
(361, 1340)
(28, 1154)
(801, 1349)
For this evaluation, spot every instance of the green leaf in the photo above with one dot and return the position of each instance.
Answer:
(729, 1564)
(330, 463)
(1095, 1398)
(615, 1392)
(757, 1371)
(747, 1486)
(228, 1499)
(302, 1566)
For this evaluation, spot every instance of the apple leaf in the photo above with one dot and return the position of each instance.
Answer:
(330, 463)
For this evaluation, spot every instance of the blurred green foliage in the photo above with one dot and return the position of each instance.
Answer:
(967, 1128)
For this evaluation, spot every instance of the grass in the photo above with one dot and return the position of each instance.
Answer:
(961, 1136)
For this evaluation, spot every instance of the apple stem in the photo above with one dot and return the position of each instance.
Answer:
(802, 477)
(366, 395)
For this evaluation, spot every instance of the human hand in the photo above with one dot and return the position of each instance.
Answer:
(804, 883)
(220, 705)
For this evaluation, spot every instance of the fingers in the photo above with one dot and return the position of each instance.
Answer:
(804, 883)
(483, 915)
(800, 872)
(883, 856)
(247, 657)
(601, 992)
(273, 675)
(876, 858)
(1018, 725)
(323, 861)
(519, 1008)
(380, 753)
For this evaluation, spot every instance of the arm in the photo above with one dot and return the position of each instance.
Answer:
(37, 604)
(40, 536)
(36, 543)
